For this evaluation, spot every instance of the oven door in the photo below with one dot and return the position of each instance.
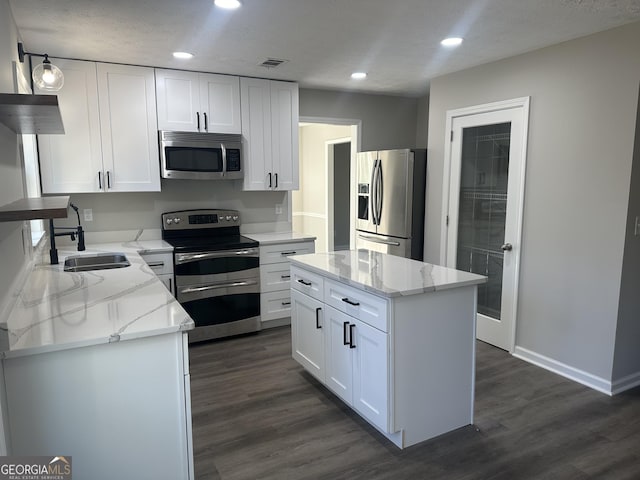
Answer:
(219, 289)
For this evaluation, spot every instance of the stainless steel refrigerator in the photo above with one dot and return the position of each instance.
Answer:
(390, 201)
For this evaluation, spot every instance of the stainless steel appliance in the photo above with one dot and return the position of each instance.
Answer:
(200, 156)
(216, 270)
(390, 201)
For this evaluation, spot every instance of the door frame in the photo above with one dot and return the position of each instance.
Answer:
(329, 163)
(522, 104)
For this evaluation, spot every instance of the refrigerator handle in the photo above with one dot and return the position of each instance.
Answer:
(379, 193)
(372, 192)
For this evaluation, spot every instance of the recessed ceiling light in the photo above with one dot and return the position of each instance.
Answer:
(230, 4)
(359, 75)
(182, 55)
(451, 42)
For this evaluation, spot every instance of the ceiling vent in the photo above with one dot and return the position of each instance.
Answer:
(272, 63)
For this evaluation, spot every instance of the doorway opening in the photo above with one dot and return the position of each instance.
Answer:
(324, 205)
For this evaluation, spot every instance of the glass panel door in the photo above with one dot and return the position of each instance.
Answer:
(482, 209)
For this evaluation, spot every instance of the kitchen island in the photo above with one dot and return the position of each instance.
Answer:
(96, 367)
(393, 338)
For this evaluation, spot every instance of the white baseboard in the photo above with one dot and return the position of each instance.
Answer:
(626, 383)
(580, 376)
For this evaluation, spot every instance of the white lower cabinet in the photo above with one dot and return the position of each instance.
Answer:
(275, 280)
(308, 333)
(162, 265)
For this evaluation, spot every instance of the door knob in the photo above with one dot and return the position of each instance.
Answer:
(507, 247)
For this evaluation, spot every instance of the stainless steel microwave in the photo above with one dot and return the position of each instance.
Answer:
(200, 156)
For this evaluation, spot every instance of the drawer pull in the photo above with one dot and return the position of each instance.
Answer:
(345, 326)
(346, 300)
(156, 264)
(318, 326)
(284, 254)
(351, 344)
(285, 304)
(306, 284)
(284, 277)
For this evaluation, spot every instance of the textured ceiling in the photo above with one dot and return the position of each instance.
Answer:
(324, 41)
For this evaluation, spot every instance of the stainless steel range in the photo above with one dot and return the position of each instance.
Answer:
(216, 271)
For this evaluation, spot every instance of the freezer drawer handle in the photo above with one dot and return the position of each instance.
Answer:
(350, 302)
(306, 284)
(318, 326)
(378, 240)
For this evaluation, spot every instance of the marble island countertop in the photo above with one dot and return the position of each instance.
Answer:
(57, 310)
(385, 275)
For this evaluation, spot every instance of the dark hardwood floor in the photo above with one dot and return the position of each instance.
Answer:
(258, 415)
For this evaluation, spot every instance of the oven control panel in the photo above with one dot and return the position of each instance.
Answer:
(189, 219)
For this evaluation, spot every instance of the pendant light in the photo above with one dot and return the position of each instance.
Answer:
(46, 76)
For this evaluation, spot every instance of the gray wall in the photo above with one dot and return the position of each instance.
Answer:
(387, 121)
(627, 354)
(584, 96)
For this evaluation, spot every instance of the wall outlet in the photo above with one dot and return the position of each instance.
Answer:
(278, 209)
(88, 215)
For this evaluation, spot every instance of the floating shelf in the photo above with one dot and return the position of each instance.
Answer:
(23, 113)
(35, 208)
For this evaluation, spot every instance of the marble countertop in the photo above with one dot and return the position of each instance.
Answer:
(57, 310)
(385, 275)
(279, 237)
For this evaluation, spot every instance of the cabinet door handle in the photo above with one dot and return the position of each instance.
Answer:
(155, 264)
(306, 284)
(351, 328)
(345, 326)
(269, 179)
(276, 181)
(100, 180)
(318, 326)
(171, 285)
(206, 124)
(198, 119)
(284, 304)
(108, 179)
(346, 300)
(284, 254)
(284, 277)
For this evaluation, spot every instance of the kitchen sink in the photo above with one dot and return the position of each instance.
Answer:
(99, 261)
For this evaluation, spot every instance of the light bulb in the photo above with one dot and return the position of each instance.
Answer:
(47, 75)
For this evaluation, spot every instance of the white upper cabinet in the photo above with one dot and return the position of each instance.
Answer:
(129, 129)
(198, 102)
(70, 163)
(270, 134)
(110, 142)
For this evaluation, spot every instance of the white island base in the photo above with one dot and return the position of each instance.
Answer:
(395, 341)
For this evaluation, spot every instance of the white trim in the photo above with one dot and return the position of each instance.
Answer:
(567, 371)
(625, 383)
(516, 103)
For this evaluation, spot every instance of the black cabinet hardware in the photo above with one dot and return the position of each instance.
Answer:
(108, 179)
(284, 254)
(318, 326)
(306, 284)
(284, 304)
(100, 180)
(206, 126)
(284, 277)
(198, 119)
(345, 326)
(346, 300)
(351, 344)
(276, 181)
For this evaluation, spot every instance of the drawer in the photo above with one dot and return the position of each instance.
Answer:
(307, 282)
(160, 263)
(275, 305)
(280, 252)
(369, 308)
(274, 277)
